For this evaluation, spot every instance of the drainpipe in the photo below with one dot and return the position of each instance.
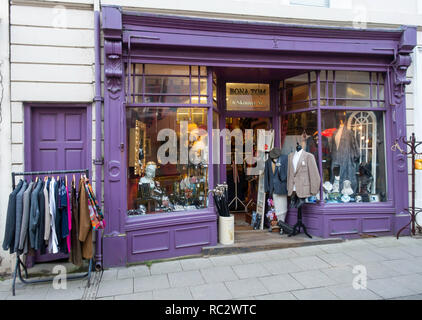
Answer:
(98, 162)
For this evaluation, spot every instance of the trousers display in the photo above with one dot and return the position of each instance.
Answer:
(280, 205)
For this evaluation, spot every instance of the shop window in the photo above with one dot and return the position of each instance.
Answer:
(300, 128)
(299, 92)
(151, 83)
(248, 97)
(354, 162)
(351, 89)
(167, 160)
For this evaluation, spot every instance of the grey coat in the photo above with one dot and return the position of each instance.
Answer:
(19, 213)
(34, 217)
(276, 182)
(23, 239)
(9, 232)
(346, 157)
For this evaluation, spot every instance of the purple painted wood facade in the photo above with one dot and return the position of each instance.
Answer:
(145, 38)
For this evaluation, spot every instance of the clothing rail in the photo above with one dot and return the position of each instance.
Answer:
(19, 262)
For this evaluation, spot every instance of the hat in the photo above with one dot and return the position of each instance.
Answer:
(275, 153)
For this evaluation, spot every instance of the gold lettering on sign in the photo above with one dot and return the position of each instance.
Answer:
(248, 96)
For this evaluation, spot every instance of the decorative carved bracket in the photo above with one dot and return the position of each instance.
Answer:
(113, 69)
(399, 80)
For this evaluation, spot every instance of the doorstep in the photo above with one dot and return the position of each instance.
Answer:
(259, 240)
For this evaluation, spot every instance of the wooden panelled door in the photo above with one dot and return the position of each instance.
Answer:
(59, 139)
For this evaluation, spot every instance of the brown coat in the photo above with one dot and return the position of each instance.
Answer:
(306, 179)
(85, 227)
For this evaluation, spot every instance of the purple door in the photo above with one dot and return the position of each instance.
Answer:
(58, 137)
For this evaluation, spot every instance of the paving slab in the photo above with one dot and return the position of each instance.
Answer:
(172, 294)
(340, 274)
(211, 291)
(186, 278)
(414, 250)
(246, 288)
(218, 274)
(254, 257)
(347, 292)
(314, 294)
(308, 251)
(195, 264)
(110, 274)
(394, 253)
(388, 288)
(412, 282)
(160, 281)
(313, 279)
(280, 254)
(310, 263)
(229, 260)
(66, 294)
(280, 283)
(250, 271)
(280, 266)
(115, 287)
(165, 267)
(404, 266)
(365, 255)
(29, 294)
(338, 259)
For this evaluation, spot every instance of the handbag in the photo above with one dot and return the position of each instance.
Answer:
(287, 229)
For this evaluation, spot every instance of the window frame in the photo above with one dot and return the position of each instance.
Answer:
(319, 108)
(128, 81)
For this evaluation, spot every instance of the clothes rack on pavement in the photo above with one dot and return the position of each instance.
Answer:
(50, 216)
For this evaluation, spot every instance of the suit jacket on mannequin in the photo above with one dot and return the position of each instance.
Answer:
(276, 182)
(306, 178)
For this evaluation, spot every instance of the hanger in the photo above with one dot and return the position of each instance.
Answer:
(65, 178)
(36, 179)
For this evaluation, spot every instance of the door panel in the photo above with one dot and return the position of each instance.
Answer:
(59, 141)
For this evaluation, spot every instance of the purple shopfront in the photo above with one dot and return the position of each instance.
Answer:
(166, 71)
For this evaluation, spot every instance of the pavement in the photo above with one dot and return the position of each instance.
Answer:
(363, 269)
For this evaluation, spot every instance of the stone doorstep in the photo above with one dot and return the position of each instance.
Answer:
(257, 246)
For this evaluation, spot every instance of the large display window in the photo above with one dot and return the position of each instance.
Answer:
(167, 138)
(355, 159)
(338, 116)
(167, 160)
